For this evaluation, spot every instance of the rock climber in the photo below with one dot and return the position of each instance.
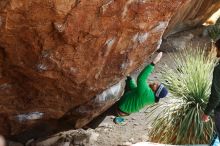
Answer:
(214, 99)
(141, 94)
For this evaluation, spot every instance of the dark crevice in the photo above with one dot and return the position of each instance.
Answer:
(2, 55)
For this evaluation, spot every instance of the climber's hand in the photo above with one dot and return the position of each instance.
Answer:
(205, 118)
(157, 58)
(129, 78)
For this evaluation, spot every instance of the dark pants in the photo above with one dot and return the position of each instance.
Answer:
(217, 122)
(216, 136)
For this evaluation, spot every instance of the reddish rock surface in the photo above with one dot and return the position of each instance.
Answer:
(191, 14)
(57, 55)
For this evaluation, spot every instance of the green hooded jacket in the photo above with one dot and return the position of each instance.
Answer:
(139, 95)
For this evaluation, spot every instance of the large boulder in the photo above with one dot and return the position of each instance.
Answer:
(58, 57)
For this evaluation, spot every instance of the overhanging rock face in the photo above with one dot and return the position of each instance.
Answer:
(57, 55)
(191, 14)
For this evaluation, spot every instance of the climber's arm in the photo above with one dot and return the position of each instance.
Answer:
(130, 83)
(142, 84)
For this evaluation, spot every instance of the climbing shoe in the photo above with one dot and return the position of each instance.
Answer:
(120, 121)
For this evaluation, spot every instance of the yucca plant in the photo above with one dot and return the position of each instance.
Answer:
(188, 80)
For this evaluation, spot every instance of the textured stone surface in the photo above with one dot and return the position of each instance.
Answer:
(57, 55)
(70, 138)
(191, 14)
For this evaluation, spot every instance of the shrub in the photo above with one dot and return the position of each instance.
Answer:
(189, 81)
(214, 31)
